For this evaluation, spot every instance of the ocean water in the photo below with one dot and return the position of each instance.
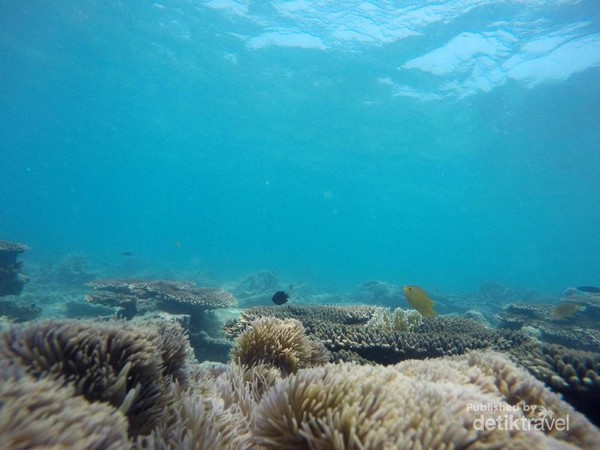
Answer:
(437, 143)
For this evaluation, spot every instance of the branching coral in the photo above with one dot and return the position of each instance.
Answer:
(280, 343)
(436, 337)
(373, 334)
(310, 316)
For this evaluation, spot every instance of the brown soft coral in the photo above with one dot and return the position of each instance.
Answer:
(193, 422)
(415, 404)
(42, 414)
(280, 343)
(121, 364)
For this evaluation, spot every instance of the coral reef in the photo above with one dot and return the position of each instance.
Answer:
(133, 297)
(126, 305)
(515, 315)
(388, 337)
(579, 331)
(310, 316)
(279, 343)
(116, 385)
(11, 281)
(433, 338)
(177, 297)
(489, 299)
(364, 333)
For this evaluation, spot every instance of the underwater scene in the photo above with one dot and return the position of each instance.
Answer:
(303, 224)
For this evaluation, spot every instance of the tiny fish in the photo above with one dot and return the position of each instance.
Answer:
(127, 254)
(280, 297)
(419, 300)
(592, 289)
(565, 310)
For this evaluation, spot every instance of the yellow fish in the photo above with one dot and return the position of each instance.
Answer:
(565, 310)
(419, 300)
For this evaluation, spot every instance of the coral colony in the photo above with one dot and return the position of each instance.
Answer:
(292, 376)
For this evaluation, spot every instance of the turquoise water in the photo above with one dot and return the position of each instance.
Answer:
(432, 143)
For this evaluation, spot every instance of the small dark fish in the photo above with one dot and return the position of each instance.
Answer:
(280, 297)
(127, 254)
(592, 289)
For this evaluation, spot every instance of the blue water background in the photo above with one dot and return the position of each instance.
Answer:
(185, 133)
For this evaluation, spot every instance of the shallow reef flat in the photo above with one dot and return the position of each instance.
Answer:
(120, 384)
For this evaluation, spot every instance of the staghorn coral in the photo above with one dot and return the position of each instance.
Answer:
(11, 281)
(116, 363)
(415, 404)
(42, 414)
(282, 344)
